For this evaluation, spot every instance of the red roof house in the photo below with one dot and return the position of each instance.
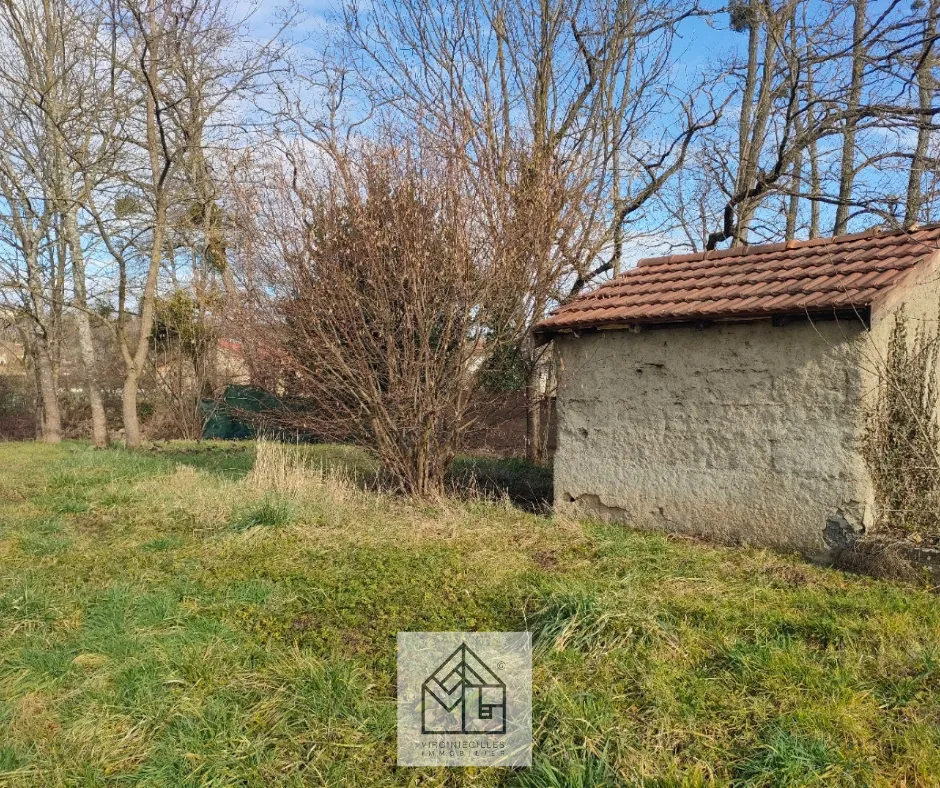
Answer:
(724, 393)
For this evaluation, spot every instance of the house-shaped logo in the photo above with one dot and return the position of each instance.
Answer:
(463, 696)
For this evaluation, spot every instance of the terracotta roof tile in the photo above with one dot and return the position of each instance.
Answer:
(846, 272)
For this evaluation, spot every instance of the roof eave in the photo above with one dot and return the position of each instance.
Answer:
(860, 312)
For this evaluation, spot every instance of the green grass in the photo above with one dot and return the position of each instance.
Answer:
(173, 618)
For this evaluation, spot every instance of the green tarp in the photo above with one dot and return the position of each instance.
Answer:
(229, 417)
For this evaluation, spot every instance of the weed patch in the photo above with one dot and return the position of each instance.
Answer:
(271, 512)
(205, 622)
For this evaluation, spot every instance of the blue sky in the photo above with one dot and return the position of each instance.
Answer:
(701, 44)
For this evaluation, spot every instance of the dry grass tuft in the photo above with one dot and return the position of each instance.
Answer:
(191, 497)
(289, 470)
(878, 559)
(33, 718)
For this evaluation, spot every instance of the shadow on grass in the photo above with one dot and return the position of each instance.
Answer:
(525, 484)
(229, 460)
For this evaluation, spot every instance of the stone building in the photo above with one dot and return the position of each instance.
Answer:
(722, 393)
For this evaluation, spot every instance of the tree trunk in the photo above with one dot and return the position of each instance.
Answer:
(533, 413)
(745, 127)
(132, 436)
(137, 360)
(815, 177)
(160, 165)
(847, 173)
(37, 406)
(51, 417)
(546, 403)
(796, 174)
(925, 88)
(45, 366)
(756, 127)
(815, 181)
(793, 205)
(617, 258)
(86, 345)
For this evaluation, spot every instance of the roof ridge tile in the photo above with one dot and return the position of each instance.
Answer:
(845, 272)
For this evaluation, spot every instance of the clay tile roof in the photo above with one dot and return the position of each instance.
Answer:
(796, 277)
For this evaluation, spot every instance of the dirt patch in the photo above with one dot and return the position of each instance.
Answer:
(33, 719)
(90, 661)
(546, 559)
(303, 623)
(354, 642)
(787, 576)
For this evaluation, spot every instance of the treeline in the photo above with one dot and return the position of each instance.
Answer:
(378, 211)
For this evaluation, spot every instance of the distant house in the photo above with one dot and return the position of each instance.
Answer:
(722, 393)
(231, 362)
(11, 358)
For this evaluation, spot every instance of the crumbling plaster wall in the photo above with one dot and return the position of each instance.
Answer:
(744, 433)
(919, 295)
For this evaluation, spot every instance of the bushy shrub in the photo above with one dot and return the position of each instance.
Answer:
(17, 408)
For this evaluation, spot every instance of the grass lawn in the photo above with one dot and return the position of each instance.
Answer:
(173, 618)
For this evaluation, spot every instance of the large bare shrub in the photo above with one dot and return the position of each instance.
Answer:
(378, 305)
(902, 436)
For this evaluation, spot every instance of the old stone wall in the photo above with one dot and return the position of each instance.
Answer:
(744, 433)
(919, 296)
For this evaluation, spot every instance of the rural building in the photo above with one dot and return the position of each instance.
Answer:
(722, 393)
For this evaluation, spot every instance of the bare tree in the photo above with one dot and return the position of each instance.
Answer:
(847, 170)
(185, 66)
(151, 31)
(823, 82)
(77, 137)
(812, 146)
(558, 107)
(377, 306)
(758, 94)
(33, 264)
(924, 67)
